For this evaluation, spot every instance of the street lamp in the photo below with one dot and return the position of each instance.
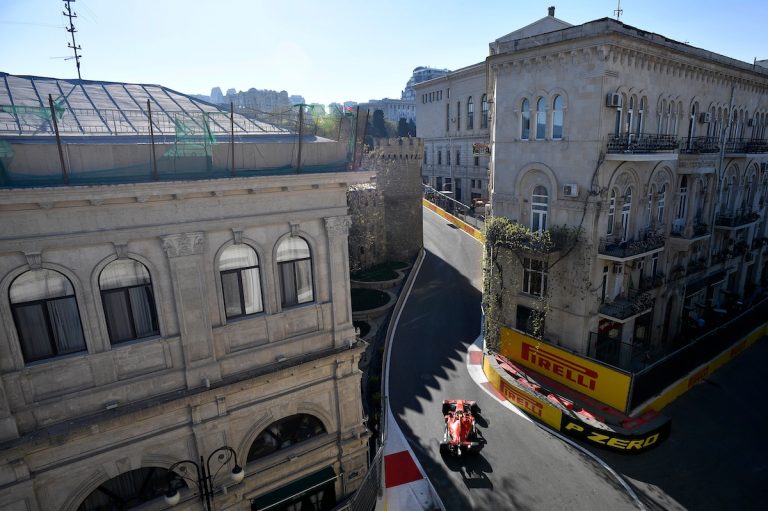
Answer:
(205, 478)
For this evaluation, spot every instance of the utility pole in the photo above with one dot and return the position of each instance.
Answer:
(71, 29)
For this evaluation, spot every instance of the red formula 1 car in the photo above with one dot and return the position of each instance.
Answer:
(460, 434)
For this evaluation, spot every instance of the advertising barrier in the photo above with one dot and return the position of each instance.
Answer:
(599, 382)
(539, 408)
(472, 231)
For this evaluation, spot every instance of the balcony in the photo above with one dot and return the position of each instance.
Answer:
(736, 219)
(699, 145)
(641, 143)
(745, 146)
(647, 242)
(623, 308)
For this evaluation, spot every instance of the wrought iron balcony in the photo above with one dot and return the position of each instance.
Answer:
(647, 240)
(736, 218)
(624, 307)
(746, 145)
(699, 145)
(696, 230)
(641, 143)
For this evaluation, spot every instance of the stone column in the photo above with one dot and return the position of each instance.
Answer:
(337, 228)
(188, 271)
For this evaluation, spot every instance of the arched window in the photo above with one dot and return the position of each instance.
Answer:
(129, 304)
(45, 314)
(294, 265)
(629, 116)
(285, 433)
(611, 211)
(692, 123)
(625, 210)
(539, 209)
(458, 115)
(660, 204)
(640, 115)
(557, 118)
(484, 112)
(525, 120)
(240, 281)
(682, 205)
(131, 489)
(728, 192)
(470, 113)
(749, 196)
(541, 119)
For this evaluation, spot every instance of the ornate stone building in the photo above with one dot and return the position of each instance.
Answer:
(455, 120)
(658, 152)
(159, 313)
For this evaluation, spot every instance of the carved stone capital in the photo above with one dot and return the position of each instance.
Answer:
(188, 243)
(337, 225)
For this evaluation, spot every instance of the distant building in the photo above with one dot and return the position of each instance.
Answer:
(297, 100)
(393, 109)
(454, 121)
(169, 292)
(420, 74)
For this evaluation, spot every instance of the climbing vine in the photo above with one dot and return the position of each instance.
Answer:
(507, 246)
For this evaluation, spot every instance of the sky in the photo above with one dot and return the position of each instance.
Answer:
(325, 50)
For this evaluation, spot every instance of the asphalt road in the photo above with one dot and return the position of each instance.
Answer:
(522, 466)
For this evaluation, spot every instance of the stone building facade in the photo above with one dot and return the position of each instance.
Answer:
(144, 323)
(387, 216)
(658, 152)
(455, 118)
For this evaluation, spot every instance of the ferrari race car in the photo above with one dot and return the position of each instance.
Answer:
(460, 434)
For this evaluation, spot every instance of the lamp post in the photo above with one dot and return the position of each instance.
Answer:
(205, 477)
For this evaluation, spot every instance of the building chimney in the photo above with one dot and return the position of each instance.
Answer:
(552, 11)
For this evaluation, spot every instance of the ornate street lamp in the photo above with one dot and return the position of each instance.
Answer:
(205, 477)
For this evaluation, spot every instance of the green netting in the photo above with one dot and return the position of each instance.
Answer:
(193, 137)
(6, 151)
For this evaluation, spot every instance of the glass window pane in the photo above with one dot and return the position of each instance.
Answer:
(230, 286)
(38, 285)
(143, 308)
(252, 291)
(123, 273)
(304, 281)
(287, 284)
(238, 256)
(33, 331)
(292, 248)
(117, 314)
(65, 322)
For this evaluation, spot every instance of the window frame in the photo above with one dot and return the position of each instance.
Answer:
(541, 119)
(535, 279)
(470, 113)
(42, 304)
(525, 119)
(154, 315)
(284, 304)
(558, 117)
(241, 292)
(484, 112)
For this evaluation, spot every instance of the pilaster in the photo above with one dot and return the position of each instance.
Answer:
(337, 228)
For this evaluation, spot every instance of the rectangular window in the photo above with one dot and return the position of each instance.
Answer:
(448, 157)
(439, 157)
(534, 277)
(458, 156)
(458, 115)
(447, 117)
(477, 161)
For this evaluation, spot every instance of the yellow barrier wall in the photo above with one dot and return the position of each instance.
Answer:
(472, 231)
(597, 381)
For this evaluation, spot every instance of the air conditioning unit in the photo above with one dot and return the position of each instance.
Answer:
(571, 190)
(705, 117)
(613, 100)
(750, 122)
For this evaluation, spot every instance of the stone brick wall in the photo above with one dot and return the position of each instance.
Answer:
(386, 219)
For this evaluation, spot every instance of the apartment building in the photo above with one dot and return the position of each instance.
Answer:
(657, 151)
(454, 123)
(176, 322)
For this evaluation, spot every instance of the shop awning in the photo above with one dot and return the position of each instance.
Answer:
(295, 489)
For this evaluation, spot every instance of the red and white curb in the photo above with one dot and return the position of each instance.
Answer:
(406, 486)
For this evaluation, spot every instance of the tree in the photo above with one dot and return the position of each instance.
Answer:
(402, 127)
(379, 126)
(411, 128)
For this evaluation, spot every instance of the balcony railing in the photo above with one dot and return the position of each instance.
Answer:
(699, 145)
(745, 145)
(697, 230)
(623, 307)
(641, 143)
(646, 241)
(736, 218)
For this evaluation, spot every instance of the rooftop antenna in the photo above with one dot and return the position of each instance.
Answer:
(71, 29)
(618, 11)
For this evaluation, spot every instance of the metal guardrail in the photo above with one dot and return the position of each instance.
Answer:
(364, 499)
(460, 210)
(641, 143)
